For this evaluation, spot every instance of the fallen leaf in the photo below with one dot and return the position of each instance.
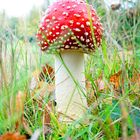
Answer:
(115, 79)
(39, 77)
(12, 136)
(39, 84)
(20, 99)
(136, 79)
(91, 91)
(46, 113)
(100, 84)
(46, 73)
(19, 108)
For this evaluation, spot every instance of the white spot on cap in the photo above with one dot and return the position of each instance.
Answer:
(68, 7)
(77, 29)
(77, 15)
(53, 28)
(83, 11)
(65, 13)
(78, 23)
(82, 38)
(44, 47)
(55, 21)
(86, 33)
(55, 9)
(66, 26)
(47, 20)
(57, 33)
(88, 23)
(50, 33)
(62, 27)
(63, 5)
(71, 21)
(71, 10)
(74, 6)
(87, 40)
(53, 17)
(82, 26)
(73, 37)
(57, 27)
(93, 18)
(65, 35)
(94, 27)
(67, 46)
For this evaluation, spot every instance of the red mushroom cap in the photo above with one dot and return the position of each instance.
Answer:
(70, 24)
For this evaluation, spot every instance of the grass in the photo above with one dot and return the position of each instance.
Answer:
(118, 119)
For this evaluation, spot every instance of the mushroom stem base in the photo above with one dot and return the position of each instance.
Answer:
(70, 86)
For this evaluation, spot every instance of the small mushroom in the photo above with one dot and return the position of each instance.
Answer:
(70, 28)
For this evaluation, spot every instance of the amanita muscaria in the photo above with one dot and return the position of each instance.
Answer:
(68, 29)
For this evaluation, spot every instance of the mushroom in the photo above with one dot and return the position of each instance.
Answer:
(70, 28)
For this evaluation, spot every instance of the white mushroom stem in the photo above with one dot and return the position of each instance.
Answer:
(70, 85)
